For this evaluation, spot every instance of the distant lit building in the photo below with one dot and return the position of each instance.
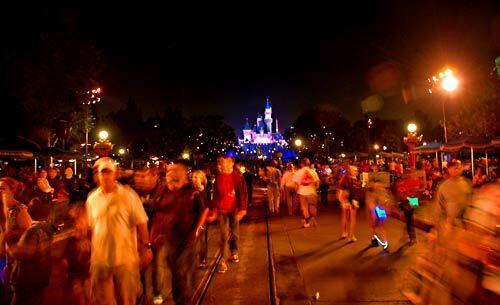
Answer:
(259, 138)
(262, 130)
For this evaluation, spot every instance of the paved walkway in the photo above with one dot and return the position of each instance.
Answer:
(246, 282)
(316, 260)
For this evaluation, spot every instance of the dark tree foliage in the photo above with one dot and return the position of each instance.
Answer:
(49, 65)
(478, 119)
(168, 135)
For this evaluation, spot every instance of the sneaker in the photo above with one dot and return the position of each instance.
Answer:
(312, 222)
(222, 267)
(352, 239)
(203, 264)
(374, 243)
(306, 225)
(385, 245)
(235, 258)
(343, 236)
(157, 300)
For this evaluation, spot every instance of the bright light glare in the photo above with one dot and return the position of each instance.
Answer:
(103, 135)
(185, 156)
(412, 127)
(298, 142)
(121, 151)
(450, 83)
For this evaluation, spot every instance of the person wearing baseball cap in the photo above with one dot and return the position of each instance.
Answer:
(120, 239)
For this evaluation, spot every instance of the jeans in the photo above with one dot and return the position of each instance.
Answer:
(409, 223)
(182, 264)
(228, 225)
(160, 271)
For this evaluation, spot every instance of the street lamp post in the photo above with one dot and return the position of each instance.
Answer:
(411, 141)
(104, 146)
(444, 124)
(449, 83)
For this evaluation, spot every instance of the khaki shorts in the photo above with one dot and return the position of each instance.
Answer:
(308, 200)
(110, 285)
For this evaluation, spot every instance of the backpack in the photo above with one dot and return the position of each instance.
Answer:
(33, 271)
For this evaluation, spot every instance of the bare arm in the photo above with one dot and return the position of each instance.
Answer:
(201, 221)
(142, 233)
(24, 219)
(145, 252)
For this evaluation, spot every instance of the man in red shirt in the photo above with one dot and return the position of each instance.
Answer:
(230, 202)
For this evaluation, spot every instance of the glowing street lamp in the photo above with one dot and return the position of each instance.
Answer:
(376, 147)
(103, 135)
(449, 82)
(298, 142)
(412, 127)
(121, 151)
(185, 156)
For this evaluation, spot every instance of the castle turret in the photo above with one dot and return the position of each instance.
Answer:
(247, 132)
(267, 116)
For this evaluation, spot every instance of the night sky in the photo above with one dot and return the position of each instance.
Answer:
(226, 59)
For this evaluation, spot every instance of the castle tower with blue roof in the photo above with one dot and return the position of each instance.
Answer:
(261, 133)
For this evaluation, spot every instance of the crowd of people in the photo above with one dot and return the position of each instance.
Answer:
(129, 226)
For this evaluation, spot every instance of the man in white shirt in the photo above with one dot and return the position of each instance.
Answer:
(120, 239)
(453, 196)
(308, 181)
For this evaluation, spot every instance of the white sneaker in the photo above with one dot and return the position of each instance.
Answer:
(306, 225)
(157, 300)
(235, 258)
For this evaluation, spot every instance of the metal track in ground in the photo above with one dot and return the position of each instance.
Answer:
(202, 289)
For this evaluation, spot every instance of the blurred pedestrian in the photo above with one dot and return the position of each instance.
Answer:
(308, 181)
(77, 258)
(272, 177)
(199, 180)
(248, 177)
(289, 188)
(349, 203)
(70, 184)
(479, 177)
(378, 201)
(120, 240)
(324, 177)
(230, 202)
(179, 228)
(453, 196)
(16, 221)
(44, 187)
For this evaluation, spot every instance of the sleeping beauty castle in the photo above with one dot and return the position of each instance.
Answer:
(259, 138)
